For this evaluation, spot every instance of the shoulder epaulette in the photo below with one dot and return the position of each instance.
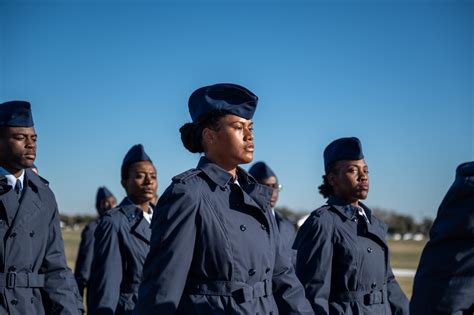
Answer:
(318, 212)
(181, 178)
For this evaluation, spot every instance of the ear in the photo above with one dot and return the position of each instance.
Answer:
(208, 136)
(331, 177)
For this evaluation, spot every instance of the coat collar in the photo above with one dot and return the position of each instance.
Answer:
(29, 204)
(346, 209)
(139, 225)
(220, 176)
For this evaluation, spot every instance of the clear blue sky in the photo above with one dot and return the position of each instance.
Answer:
(103, 76)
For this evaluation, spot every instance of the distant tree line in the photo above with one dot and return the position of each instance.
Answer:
(397, 222)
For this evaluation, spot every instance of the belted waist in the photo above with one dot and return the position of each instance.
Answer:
(12, 280)
(240, 291)
(366, 298)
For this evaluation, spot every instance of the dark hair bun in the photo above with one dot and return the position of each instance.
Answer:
(190, 138)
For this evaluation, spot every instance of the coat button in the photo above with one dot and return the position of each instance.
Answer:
(373, 285)
(32, 233)
(12, 269)
(369, 249)
(13, 235)
(263, 227)
(252, 272)
(14, 302)
(243, 227)
(354, 219)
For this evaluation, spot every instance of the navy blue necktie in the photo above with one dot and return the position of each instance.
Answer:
(17, 188)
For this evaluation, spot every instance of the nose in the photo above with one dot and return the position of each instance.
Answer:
(30, 143)
(248, 136)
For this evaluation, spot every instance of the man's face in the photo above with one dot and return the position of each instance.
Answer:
(17, 148)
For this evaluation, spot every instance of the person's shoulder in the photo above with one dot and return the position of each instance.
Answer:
(323, 213)
(190, 182)
(41, 183)
(112, 218)
(189, 177)
(91, 225)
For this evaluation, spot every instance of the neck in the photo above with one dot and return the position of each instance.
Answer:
(231, 168)
(143, 205)
(351, 201)
(12, 170)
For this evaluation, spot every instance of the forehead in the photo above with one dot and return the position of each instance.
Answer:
(143, 167)
(269, 180)
(349, 163)
(20, 130)
(234, 119)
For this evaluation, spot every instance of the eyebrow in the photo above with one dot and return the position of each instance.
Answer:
(240, 122)
(23, 134)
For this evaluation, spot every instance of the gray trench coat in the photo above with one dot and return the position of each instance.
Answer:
(215, 249)
(34, 277)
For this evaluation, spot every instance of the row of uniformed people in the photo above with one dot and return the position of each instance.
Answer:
(215, 246)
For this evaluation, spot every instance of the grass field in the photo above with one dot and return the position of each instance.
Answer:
(405, 254)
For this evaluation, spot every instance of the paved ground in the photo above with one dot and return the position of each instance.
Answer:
(398, 272)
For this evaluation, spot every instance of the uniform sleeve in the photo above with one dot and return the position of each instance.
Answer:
(84, 258)
(106, 273)
(287, 290)
(60, 293)
(171, 252)
(398, 301)
(314, 245)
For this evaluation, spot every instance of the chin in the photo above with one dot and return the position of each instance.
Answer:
(246, 159)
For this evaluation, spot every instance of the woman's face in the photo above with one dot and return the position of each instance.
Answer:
(272, 182)
(232, 143)
(141, 183)
(350, 180)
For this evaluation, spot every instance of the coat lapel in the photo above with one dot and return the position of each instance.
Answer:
(139, 225)
(142, 229)
(8, 202)
(30, 203)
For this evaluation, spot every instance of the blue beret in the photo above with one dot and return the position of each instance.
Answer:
(135, 154)
(465, 169)
(343, 149)
(261, 171)
(227, 97)
(16, 114)
(102, 193)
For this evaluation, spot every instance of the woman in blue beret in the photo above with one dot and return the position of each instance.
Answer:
(342, 256)
(215, 247)
(122, 240)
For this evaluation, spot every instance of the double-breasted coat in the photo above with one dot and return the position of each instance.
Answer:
(215, 249)
(343, 263)
(444, 281)
(85, 254)
(34, 277)
(122, 241)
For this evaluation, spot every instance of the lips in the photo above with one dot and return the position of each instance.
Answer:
(249, 148)
(363, 187)
(30, 156)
